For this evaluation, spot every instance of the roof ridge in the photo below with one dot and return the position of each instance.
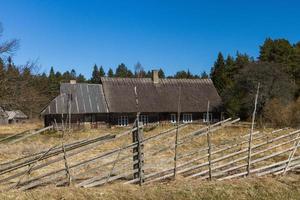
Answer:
(177, 79)
(82, 83)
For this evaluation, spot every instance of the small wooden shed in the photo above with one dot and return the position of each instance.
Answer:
(16, 116)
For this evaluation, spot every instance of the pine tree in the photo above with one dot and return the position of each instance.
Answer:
(73, 74)
(242, 60)
(52, 74)
(204, 74)
(53, 84)
(110, 73)
(123, 71)
(161, 73)
(218, 74)
(149, 74)
(181, 74)
(189, 75)
(101, 71)
(80, 78)
(95, 75)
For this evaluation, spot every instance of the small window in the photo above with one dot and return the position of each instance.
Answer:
(144, 119)
(123, 120)
(173, 118)
(187, 118)
(87, 118)
(205, 117)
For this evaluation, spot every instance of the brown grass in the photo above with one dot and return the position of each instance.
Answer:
(280, 188)
(182, 189)
(20, 127)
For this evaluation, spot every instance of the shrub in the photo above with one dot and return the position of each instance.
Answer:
(279, 114)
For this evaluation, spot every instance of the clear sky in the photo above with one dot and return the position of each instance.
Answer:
(171, 34)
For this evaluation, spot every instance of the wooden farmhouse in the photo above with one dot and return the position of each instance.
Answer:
(113, 101)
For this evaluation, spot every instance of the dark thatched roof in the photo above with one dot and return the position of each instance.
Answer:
(159, 97)
(116, 95)
(85, 98)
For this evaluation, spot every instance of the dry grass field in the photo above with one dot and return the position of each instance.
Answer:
(155, 160)
(17, 128)
(268, 188)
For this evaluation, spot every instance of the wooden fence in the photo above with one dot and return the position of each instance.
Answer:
(134, 157)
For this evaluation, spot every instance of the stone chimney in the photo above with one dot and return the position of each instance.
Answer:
(155, 77)
(72, 81)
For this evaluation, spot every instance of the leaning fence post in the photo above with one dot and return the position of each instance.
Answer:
(296, 144)
(251, 132)
(208, 143)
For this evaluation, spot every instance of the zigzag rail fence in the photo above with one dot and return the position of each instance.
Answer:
(115, 157)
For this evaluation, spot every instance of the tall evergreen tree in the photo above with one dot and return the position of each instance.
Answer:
(53, 84)
(110, 73)
(80, 78)
(242, 60)
(95, 75)
(73, 74)
(123, 71)
(101, 71)
(181, 74)
(161, 73)
(218, 74)
(52, 74)
(204, 74)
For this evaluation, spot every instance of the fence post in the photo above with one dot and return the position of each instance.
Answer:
(138, 155)
(251, 132)
(177, 131)
(68, 174)
(296, 144)
(208, 143)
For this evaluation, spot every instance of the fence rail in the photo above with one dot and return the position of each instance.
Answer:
(97, 161)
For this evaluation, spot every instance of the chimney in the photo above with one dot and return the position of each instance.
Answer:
(72, 81)
(155, 77)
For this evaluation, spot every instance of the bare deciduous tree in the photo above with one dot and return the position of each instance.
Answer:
(7, 47)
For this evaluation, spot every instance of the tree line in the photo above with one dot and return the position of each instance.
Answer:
(277, 69)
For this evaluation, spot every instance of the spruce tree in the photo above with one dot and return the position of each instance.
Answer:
(123, 71)
(161, 73)
(218, 73)
(204, 74)
(101, 71)
(53, 84)
(80, 78)
(110, 73)
(95, 75)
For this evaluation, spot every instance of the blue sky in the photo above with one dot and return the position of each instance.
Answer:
(174, 35)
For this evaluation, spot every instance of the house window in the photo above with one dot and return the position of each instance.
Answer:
(144, 119)
(187, 118)
(205, 117)
(87, 118)
(173, 118)
(123, 120)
